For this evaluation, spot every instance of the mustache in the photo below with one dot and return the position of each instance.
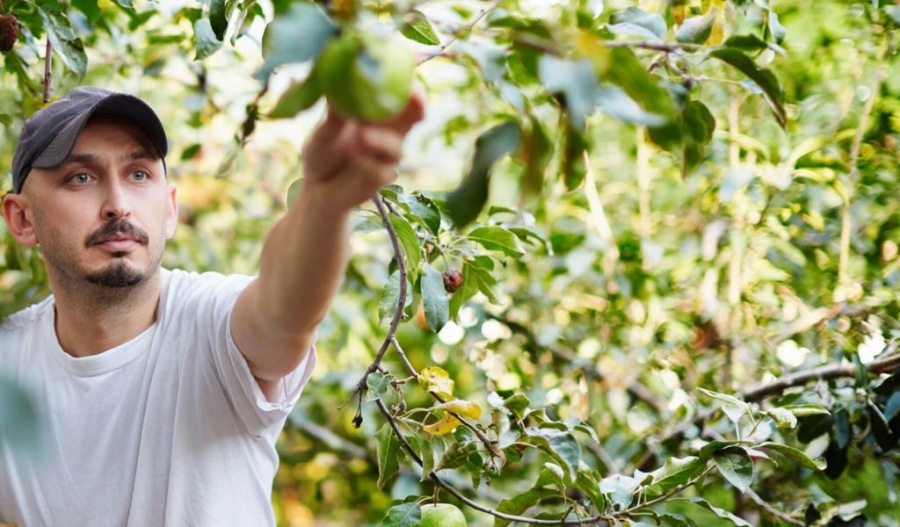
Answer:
(114, 228)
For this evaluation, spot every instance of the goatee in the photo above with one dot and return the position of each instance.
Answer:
(117, 275)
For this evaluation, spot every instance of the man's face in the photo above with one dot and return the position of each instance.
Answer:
(104, 214)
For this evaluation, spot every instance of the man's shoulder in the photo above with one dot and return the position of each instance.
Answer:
(26, 318)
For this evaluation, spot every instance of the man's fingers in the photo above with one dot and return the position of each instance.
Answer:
(413, 113)
(384, 145)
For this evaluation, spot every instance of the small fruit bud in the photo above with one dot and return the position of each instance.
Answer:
(9, 32)
(452, 280)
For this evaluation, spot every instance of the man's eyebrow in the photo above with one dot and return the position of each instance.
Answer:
(93, 159)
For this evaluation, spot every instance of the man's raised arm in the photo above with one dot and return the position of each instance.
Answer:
(305, 254)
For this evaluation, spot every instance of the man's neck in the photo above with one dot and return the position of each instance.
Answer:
(91, 319)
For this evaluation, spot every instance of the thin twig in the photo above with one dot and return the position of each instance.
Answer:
(409, 367)
(598, 215)
(852, 180)
(664, 497)
(462, 30)
(770, 509)
(449, 488)
(48, 61)
(400, 256)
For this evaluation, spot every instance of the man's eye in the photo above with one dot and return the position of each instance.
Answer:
(81, 178)
(139, 175)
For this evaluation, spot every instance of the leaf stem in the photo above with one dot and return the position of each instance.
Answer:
(48, 74)
(465, 28)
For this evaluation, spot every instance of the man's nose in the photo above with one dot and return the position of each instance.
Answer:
(116, 203)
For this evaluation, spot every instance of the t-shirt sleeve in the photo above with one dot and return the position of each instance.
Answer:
(213, 296)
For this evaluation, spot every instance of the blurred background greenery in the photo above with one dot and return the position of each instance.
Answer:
(777, 253)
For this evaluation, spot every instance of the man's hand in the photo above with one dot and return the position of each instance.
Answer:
(345, 162)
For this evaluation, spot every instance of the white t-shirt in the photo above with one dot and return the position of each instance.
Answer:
(169, 429)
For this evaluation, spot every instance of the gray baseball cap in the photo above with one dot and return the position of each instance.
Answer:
(50, 134)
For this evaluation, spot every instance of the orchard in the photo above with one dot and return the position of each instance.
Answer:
(640, 267)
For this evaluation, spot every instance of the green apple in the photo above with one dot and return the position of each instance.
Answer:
(442, 515)
(366, 77)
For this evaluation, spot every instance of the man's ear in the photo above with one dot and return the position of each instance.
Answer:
(18, 219)
(171, 212)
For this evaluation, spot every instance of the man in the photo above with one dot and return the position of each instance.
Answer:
(162, 392)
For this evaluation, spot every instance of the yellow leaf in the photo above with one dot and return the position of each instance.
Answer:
(718, 30)
(593, 48)
(437, 381)
(461, 407)
(446, 425)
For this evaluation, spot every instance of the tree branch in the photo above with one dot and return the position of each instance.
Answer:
(770, 509)
(449, 488)
(834, 371)
(48, 61)
(398, 312)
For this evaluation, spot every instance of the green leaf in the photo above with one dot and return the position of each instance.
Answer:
(735, 464)
(576, 144)
(207, 43)
(676, 471)
(893, 11)
(410, 242)
(587, 481)
(388, 452)
(378, 385)
(299, 96)
(795, 455)
(627, 72)
(721, 513)
(783, 418)
(614, 102)
(574, 80)
(495, 238)
(437, 304)
(637, 22)
(535, 151)
(733, 407)
(423, 210)
(218, 19)
(697, 125)
(297, 35)
(90, 8)
(517, 505)
(403, 515)
(390, 296)
(517, 404)
(746, 43)
(803, 410)
(416, 27)
(696, 29)
(483, 280)
(466, 291)
(125, 3)
(561, 446)
(620, 489)
(763, 78)
(676, 520)
(64, 40)
(457, 455)
(465, 203)
(426, 452)
(707, 451)
(19, 426)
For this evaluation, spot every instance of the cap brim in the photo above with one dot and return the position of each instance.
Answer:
(120, 104)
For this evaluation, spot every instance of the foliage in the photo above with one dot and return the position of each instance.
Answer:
(676, 234)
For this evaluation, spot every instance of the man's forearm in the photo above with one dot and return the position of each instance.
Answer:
(303, 263)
